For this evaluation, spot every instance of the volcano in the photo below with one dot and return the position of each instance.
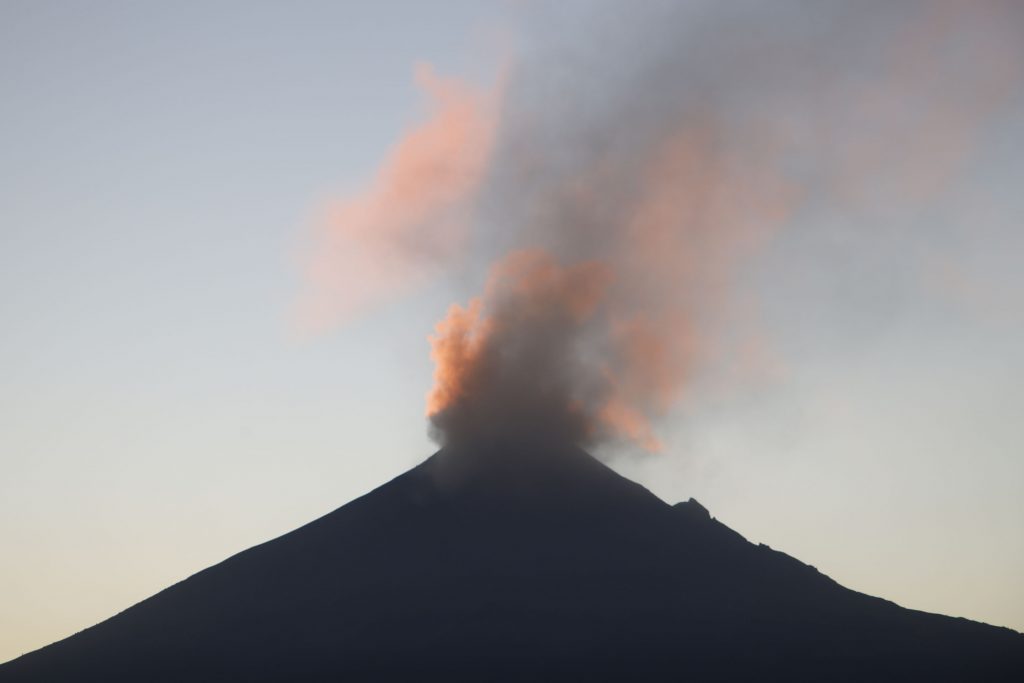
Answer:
(519, 568)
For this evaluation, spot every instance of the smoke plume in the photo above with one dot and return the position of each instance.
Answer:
(638, 164)
(412, 220)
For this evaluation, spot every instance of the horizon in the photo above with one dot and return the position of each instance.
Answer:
(179, 385)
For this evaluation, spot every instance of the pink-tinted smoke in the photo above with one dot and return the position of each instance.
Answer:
(412, 219)
(629, 191)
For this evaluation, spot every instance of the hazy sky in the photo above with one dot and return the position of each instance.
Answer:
(162, 168)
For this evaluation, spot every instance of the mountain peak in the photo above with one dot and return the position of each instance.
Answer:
(518, 566)
(563, 477)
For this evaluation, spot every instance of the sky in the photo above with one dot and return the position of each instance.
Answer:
(165, 171)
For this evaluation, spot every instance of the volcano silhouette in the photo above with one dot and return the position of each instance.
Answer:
(492, 569)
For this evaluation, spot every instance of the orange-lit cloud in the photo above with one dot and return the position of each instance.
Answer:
(600, 349)
(507, 365)
(676, 195)
(632, 190)
(412, 219)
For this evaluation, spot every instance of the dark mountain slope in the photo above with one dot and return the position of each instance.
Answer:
(556, 571)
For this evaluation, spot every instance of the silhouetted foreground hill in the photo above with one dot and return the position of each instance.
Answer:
(455, 573)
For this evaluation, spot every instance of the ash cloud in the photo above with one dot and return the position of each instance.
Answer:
(646, 155)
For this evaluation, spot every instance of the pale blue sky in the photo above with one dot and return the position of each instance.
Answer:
(161, 165)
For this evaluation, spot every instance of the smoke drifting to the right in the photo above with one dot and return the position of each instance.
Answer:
(638, 172)
(593, 341)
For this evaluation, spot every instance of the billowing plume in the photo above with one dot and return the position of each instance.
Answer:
(644, 159)
(596, 350)
(533, 314)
